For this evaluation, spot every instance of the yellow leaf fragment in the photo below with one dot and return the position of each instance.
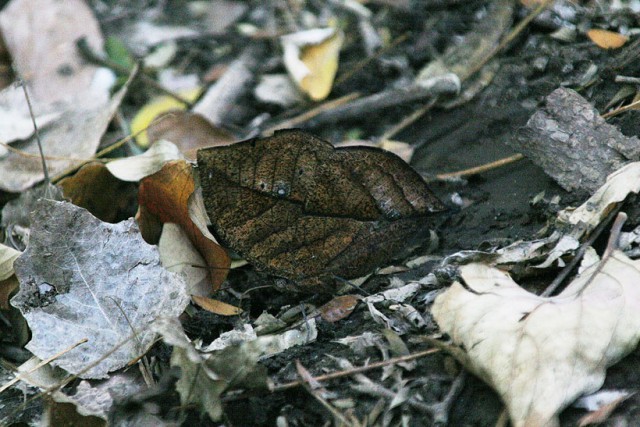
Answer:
(154, 109)
(607, 39)
(311, 58)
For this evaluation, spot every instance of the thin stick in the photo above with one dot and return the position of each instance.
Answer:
(37, 131)
(482, 168)
(617, 111)
(579, 254)
(511, 36)
(361, 64)
(359, 369)
(23, 375)
(74, 376)
(410, 119)
(307, 115)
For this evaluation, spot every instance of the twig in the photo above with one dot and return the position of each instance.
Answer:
(482, 168)
(358, 369)
(74, 376)
(442, 408)
(409, 120)
(361, 64)
(308, 115)
(617, 111)
(579, 254)
(307, 385)
(37, 131)
(24, 375)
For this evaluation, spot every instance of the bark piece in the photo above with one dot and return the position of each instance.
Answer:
(573, 144)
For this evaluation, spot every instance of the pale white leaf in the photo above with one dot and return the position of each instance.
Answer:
(135, 168)
(540, 354)
(83, 278)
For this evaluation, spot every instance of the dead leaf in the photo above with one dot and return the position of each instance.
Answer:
(538, 353)
(82, 278)
(311, 58)
(7, 256)
(178, 255)
(69, 141)
(400, 149)
(216, 307)
(94, 188)
(8, 282)
(135, 168)
(607, 39)
(297, 208)
(205, 376)
(338, 308)
(165, 195)
(41, 36)
(157, 107)
(189, 131)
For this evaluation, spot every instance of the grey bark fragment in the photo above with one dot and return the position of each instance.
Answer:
(569, 139)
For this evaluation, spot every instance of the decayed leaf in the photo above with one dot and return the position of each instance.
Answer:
(17, 123)
(311, 58)
(189, 131)
(82, 278)
(156, 108)
(165, 196)
(178, 255)
(297, 208)
(94, 188)
(41, 36)
(339, 308)
(7, 256)
(8, 282)
(135, 168)
(540, 354)
(607, 39)
(205, 376)
(217, 307)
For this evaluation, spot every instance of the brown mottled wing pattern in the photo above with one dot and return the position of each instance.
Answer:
(296, 207)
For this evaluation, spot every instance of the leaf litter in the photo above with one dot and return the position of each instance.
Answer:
(396, 306)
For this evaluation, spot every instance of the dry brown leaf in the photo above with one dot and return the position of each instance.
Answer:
(215, 306)
(7, 287)
(94, 188)
(538, 353)
(339, 308)
(607, 39)
(165, 195)
(189, 131)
